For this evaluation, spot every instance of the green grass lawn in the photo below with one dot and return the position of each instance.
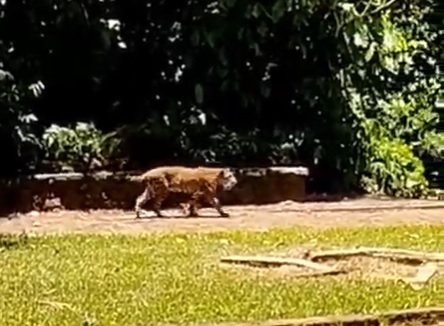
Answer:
(135, 280)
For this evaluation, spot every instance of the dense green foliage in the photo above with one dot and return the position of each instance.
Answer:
(346, 87)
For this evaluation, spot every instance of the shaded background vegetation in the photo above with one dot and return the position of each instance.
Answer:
(346, 88)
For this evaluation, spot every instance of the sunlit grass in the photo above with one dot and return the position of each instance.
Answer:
(130, 280)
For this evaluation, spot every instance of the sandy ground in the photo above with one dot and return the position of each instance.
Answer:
(320, 214)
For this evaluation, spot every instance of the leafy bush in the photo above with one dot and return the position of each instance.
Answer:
(18, 125)
(394, 115)
(348, 86)
(82, 147)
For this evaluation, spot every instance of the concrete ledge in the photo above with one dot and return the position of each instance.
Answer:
(420, 316)
(107, 190)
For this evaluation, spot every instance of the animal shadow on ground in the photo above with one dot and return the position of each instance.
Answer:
(173, 201)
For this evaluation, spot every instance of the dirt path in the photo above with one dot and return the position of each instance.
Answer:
(323, 215)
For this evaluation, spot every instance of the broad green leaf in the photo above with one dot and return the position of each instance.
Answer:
(5, 75)
(195, 38)
(222, 72)
(360, 40)
(105, 38)
(199, 93)
(257, 49)
(229, 3)
(262, 29)
(265, 90)
(240, 33)
(223, 57)
(279, 9)
(370, 51)
(225, 85)
(256, 10)
(210, 38)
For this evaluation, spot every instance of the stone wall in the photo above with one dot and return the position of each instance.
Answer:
(106, 190)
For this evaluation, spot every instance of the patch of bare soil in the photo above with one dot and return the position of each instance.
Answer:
(411, 267)
(357, 267)
(323, 215)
